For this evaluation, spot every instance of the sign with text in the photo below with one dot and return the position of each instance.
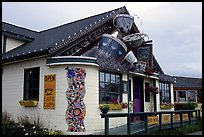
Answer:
(153, 120)
(166, 118)
(185, 116)
(177, 118)
(49, 91)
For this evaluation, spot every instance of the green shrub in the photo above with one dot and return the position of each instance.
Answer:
(186, 106)
(25, 126)
(7, 119)
(191, 105)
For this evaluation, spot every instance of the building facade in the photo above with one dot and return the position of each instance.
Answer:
(188, 89)
(63, 74)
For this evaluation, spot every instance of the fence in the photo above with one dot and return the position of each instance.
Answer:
(184, 115)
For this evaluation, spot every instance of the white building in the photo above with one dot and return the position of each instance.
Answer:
(43, 73)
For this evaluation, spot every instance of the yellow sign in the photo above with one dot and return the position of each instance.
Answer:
(185, 116)
(165, 119)
(49, 91)
(153, 120)
(176, 118)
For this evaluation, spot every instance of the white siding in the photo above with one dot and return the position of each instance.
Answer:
(12, 43)
(12, 88)
(12, 93)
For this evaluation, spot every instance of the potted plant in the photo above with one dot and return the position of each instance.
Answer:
(149, 71)
(191, 105)
(124, 105)
(166, 105)
(152, 89)
(104, 108)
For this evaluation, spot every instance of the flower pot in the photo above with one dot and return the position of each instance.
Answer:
(115, 106)
(104, 110)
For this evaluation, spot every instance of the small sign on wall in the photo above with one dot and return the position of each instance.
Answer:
(49, 91)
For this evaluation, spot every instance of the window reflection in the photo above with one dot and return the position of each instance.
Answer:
(109, 87)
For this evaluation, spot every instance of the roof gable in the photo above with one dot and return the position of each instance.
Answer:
(50, 40)
(16, 31)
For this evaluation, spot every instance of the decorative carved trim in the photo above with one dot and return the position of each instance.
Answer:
(86, 41)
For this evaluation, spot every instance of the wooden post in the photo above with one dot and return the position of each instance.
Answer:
(146, 122)
(160, 121)
(172, 122)
(181, 118)
(106, 125)
(199, 116)
(189, 117)
(128, 124)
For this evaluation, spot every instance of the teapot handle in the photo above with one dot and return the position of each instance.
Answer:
(114, 22)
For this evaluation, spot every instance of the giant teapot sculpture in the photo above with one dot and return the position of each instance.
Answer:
(123, 22)
(111, 47)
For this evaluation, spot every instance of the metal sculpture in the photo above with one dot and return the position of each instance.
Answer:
(123, 22)
(111, 50)
(135, 39)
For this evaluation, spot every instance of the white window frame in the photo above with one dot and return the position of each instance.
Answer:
(186, 91)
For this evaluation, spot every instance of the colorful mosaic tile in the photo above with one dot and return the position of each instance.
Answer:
(76, 109)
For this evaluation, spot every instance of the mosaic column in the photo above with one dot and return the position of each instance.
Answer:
(76, 110)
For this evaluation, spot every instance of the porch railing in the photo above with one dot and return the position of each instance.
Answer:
(146, 114)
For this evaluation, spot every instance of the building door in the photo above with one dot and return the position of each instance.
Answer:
(138, 96)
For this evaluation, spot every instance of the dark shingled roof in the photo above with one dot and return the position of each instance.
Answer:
(156, 66)
(166, 78)
(48, 40)
(188, 82)
(9, 29)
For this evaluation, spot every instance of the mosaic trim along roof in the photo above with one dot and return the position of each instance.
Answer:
(48, 40)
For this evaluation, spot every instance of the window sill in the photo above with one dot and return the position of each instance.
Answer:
(28, 103)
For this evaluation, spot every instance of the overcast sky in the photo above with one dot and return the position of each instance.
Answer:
(174, 27)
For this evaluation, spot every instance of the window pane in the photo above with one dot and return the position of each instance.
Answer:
(107, 87)
(31, 83)
(147, 97)
(35, 94)
(36, 73)
(35, 84)
(113, 78)
(117, 79)
(112, 87)
(107, 77)
(175, 92)
(182, 96)
(102, 86)
(191, 96)
(164, 93)
(109, 90)
(102, 76)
